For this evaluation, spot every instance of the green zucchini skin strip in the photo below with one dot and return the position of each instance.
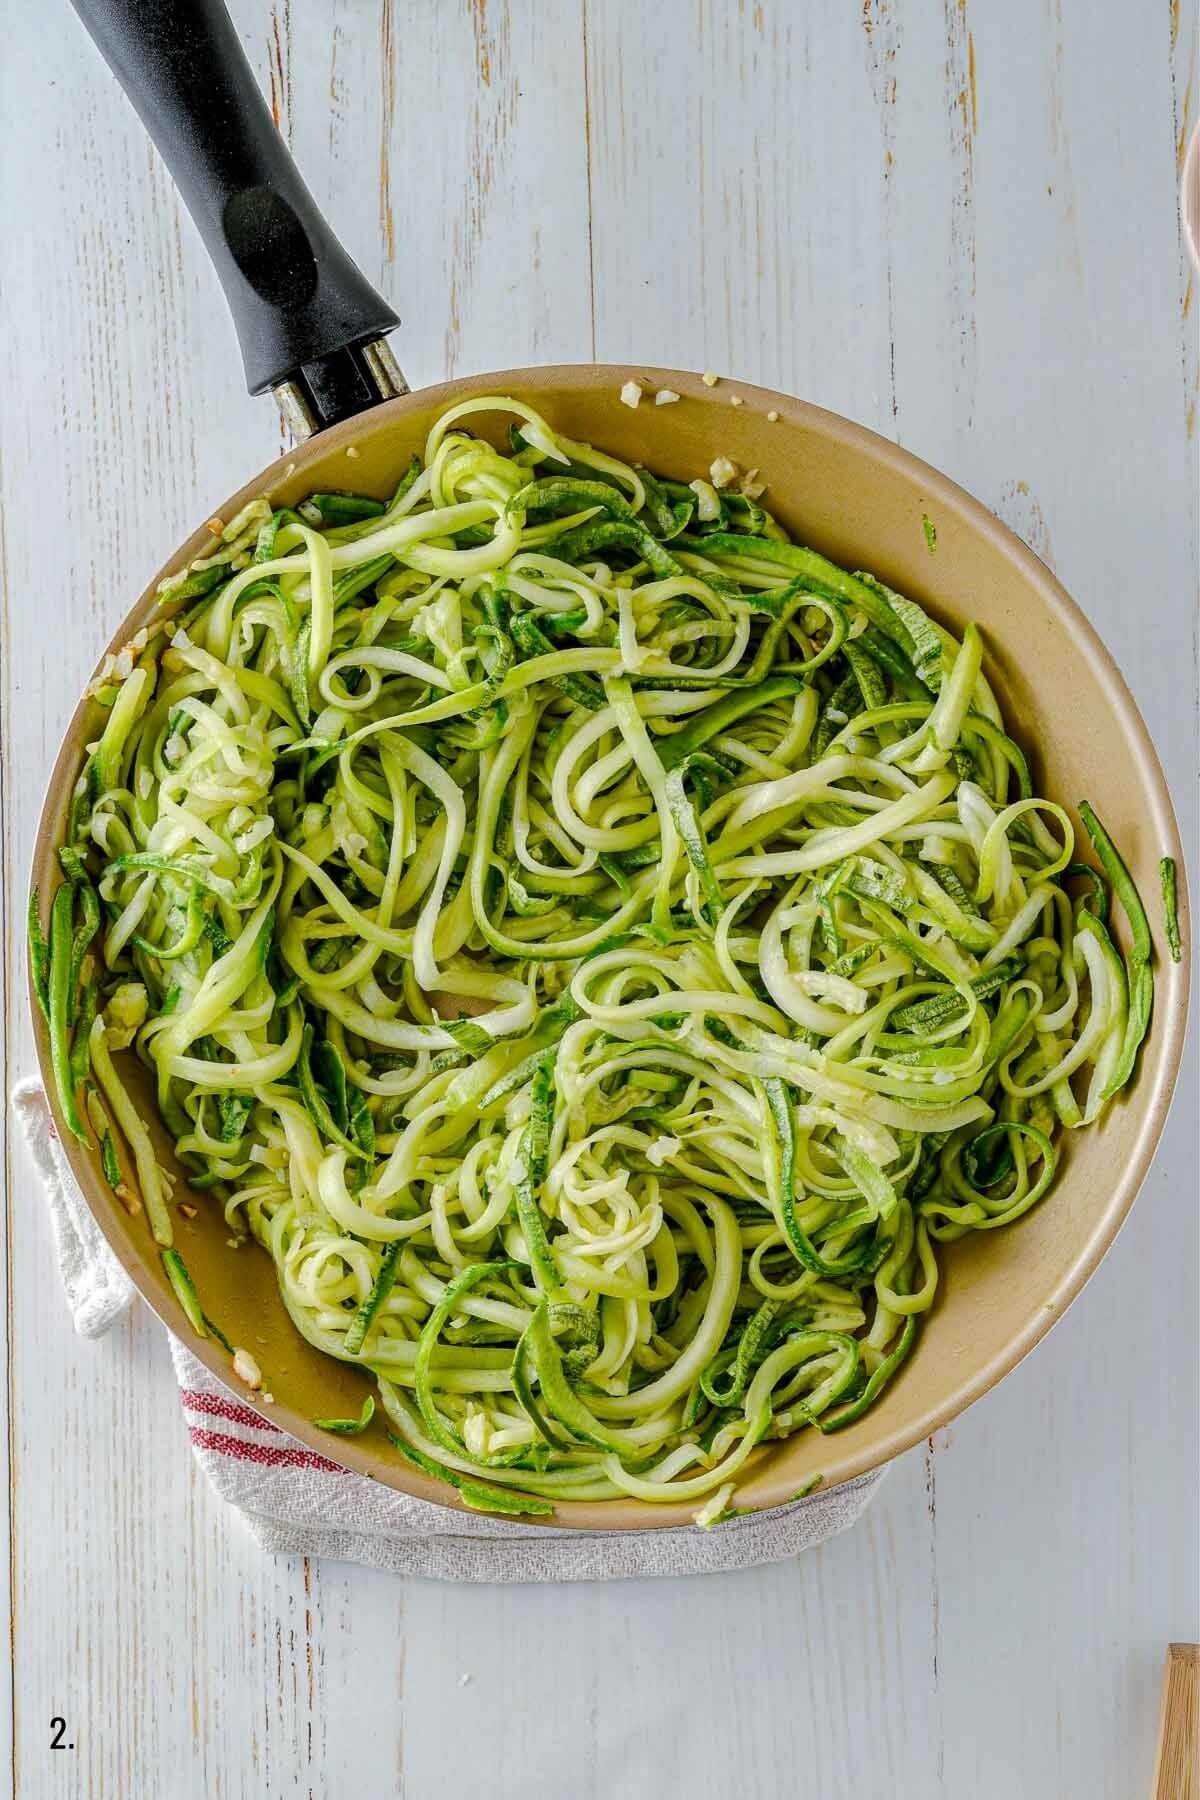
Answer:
(478, 1495)
(564, 494)
(605, 953)
(822, 577)
(350, 1427)
(318, 1106)
(108, 1160)
(725, 713)
(865, 1257)
(364, 1318)
(1139, 974)
(559, 1397)
(533, 1173)
(614, 534)
(691, 833)
(60, 998)
(1170, 901)
(39, 955)
(185, 1291)
(854, 1409)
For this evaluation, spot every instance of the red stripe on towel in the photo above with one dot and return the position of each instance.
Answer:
(218, 1406)
(270, 1456)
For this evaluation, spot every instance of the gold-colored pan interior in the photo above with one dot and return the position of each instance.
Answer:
(862, 502)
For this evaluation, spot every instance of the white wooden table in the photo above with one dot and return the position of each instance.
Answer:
(956, 223)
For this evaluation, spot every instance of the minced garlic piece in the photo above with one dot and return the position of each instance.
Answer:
(722, 472)
(708, 505)
(125, 1014)
(631, 394)
(709, 378)
(665, 397)
(245, 1367)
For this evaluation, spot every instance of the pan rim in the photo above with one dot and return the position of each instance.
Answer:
(1156, 1084)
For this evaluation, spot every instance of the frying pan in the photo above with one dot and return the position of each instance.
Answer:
(314, 332)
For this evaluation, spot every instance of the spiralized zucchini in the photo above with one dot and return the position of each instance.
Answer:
(598, 947)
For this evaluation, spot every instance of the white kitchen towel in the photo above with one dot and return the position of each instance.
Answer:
(300, 1504)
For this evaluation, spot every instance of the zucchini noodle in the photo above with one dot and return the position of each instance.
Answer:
(599, 949)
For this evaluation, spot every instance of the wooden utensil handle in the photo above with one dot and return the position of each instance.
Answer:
(1176, 1776)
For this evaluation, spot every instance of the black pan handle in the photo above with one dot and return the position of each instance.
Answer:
(310, 325)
